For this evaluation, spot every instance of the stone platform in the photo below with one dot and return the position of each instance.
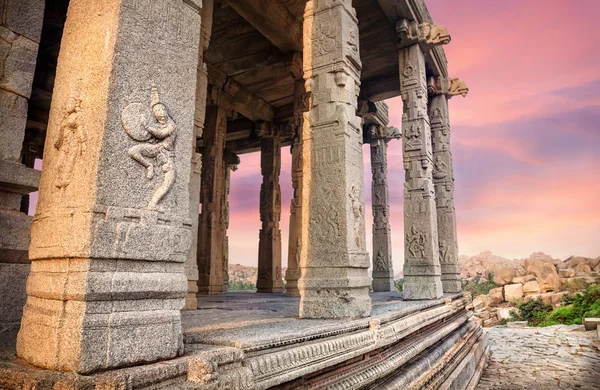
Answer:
(256, 341)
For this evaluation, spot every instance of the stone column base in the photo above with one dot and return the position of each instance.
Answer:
(383, 284)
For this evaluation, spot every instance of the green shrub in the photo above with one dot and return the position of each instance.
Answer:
(533, 311)
(240, 285)
(399, 284)
(575, 308)
(480, 286)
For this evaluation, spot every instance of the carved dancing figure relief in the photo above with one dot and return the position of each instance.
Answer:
(416, 242)
(71, 142)
(157, 133)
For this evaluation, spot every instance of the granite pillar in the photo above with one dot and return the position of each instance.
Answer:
(334, 261)
(443, 179)
(269, 246)
(422, 274)
(231, 162)
(292, 273)
(112, 230)
(19, 42)
(191, 265)
(211, 230)
(383, 272)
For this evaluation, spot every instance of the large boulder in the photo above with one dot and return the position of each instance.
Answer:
(548, 278)
(551, 298)
(566, 273)
(504, 275)
(582, 268)
(513, 292)
(496, 296)
(595, 263)
(503, 313)
(480, 302)
(532, 287)
(524, 279)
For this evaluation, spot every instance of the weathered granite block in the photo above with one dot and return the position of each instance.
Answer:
(13, 117)
(17, 60)
(112, 230)
(24, 17)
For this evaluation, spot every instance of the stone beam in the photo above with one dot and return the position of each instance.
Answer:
(273, 20)
(244, 101)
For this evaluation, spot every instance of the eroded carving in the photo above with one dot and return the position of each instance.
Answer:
(416, 240)
(156, 131)
(426, 34)
(71, 143)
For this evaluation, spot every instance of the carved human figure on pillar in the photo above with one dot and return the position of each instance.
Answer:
(158, 134)
(71, 142)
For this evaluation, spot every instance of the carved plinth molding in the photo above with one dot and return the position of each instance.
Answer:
(421, 255)
(333, 260)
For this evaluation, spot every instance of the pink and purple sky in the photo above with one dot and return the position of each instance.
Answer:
(526, 140)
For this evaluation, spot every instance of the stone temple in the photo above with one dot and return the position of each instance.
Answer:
(139, 110)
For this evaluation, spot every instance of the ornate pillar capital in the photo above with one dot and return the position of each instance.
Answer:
(426, 35)
(451, 86)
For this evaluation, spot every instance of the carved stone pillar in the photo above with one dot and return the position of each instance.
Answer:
(19, 43)
(292, 273)
(421, 256)
(191, 265)
(211, 230)
(383, 272)
(230, 164)
(112, 230)
(269, 246)
(334, 261)
(443, 179)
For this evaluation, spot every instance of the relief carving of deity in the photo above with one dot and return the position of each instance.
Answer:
(71, 143)
(440, 169)
(357, 210)
(416, 242)
(324, 38)
(156, 132)
(445, 253)
(414, 138)
(380, 262)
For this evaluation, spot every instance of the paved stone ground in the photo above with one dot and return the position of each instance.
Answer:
(542, 358)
